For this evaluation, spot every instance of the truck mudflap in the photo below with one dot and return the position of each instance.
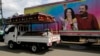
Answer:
(49, 44)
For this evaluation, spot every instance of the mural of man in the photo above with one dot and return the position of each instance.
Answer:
(85, 20)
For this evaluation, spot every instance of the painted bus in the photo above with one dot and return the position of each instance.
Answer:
(89, 37)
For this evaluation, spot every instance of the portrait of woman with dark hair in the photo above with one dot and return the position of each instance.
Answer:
(70, 21)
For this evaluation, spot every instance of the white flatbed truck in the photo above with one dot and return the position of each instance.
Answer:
(19, 32)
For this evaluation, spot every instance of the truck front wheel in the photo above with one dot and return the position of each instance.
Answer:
(35, 48)
(11, 45)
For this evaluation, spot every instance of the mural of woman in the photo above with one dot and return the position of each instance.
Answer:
(70, 21)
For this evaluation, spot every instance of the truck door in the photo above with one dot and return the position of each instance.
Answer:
(10, 34)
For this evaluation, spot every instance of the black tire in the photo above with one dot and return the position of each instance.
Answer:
(35, 48)
(11, 45)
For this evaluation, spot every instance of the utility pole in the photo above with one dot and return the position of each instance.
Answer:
(1, 13)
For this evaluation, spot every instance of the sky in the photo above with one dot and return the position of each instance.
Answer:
(11, 7)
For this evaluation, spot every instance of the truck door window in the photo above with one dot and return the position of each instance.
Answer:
(11, 29)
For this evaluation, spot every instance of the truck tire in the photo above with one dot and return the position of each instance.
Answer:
(35, 48)
(46, 47)
(11, 45)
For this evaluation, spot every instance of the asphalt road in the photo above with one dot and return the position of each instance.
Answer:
(60, 50)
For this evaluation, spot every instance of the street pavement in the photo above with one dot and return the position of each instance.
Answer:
(59, 50)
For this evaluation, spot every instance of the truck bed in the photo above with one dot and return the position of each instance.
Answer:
(40, 39)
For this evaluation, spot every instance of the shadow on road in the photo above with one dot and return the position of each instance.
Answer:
(93, 49)
(79, 48)
(21, 50)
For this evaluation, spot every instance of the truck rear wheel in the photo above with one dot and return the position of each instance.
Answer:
(35, 48)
